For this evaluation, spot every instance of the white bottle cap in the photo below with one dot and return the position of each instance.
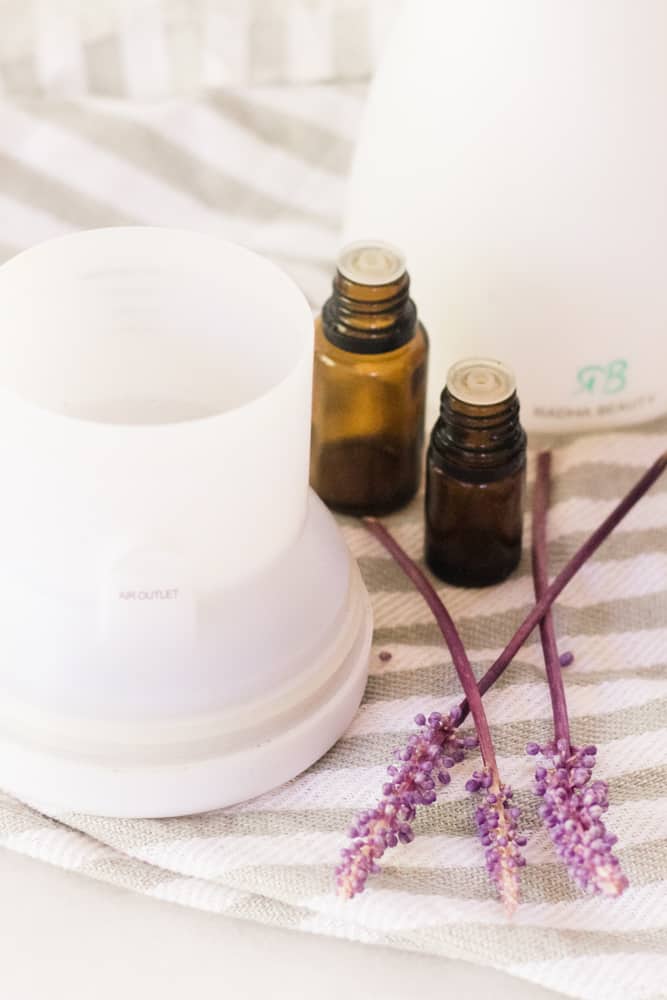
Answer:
(371, 262)
(480, 381)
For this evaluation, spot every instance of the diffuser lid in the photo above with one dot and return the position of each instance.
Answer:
(184, 626)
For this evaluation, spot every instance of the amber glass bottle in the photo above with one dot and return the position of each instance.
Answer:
(475, 477)
(369, 385)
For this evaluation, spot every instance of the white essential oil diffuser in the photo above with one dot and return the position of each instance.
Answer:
(182, 625)
(517, 152)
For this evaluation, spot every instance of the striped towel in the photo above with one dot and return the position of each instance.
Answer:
(147, 49)
(265, 165)
(271, 859)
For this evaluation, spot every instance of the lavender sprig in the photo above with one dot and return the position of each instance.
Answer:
(571, 810)
(413, 781)
(572, 807)
(496, 827)
(353, 863)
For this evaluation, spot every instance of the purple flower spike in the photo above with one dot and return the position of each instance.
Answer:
(497, 826)
(572, 809)
(487, 779)
(421, 767)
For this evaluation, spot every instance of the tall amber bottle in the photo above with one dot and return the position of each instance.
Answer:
(475, 477)
(369, 385)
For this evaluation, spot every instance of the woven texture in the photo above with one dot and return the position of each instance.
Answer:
(265, 166)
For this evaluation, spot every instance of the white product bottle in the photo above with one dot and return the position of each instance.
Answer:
(517, 152)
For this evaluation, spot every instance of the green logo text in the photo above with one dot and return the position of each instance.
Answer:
(604, 380)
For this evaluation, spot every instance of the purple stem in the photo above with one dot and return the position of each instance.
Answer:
(451, 637)
(563, 578)
(540, 583)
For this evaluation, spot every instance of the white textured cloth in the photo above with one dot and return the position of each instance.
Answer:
(265, 165)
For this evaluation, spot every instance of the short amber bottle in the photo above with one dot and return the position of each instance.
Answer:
(475, 477)
(369, 385)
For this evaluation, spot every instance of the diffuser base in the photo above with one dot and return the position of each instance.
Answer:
(207, 778)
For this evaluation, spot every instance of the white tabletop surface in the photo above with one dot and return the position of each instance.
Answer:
(67, 937)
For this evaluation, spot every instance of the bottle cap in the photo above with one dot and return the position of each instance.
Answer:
(371, 262)
(480, 381)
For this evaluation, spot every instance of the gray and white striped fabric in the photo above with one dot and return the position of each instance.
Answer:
(147, 49)
(265, 165)
(271, 859)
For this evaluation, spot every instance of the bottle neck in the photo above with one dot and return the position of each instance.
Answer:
(369, 319)
(476, 438)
